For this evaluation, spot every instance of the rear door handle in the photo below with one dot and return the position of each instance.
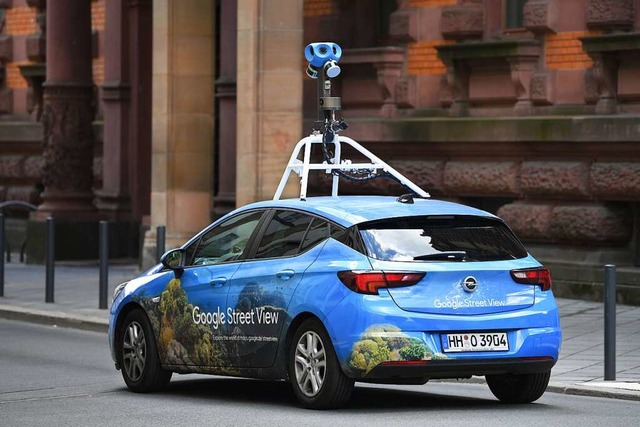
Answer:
(218, 281)
(285, 274)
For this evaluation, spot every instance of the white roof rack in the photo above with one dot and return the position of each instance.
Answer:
(304, 165)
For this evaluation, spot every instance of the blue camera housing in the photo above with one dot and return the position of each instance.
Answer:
(318, 54)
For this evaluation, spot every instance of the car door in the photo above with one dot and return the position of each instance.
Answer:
(196, 304)
(261, 289)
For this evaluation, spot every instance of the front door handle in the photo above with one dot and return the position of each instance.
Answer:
(218, 281)
(285, 274)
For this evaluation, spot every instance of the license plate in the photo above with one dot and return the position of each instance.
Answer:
(485, 341)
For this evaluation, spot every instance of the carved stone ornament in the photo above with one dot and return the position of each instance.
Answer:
(522, 71)
(68, 139)
(590, 87)
(541, 16)
(543, 88)
(460, 59)
(388, 75)
(458, 73)
(406, 92)
(403, 25)
(611, 14)
(605, 72)
(462, 21)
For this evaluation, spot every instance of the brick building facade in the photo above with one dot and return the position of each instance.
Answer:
(526, 108)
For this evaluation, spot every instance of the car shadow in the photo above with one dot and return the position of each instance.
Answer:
(366, 398)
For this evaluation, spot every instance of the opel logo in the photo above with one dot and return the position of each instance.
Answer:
(469, 284)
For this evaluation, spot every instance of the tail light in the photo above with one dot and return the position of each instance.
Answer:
(537, 276)
(368, 282)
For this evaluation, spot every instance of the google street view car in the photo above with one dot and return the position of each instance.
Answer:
(332, 290)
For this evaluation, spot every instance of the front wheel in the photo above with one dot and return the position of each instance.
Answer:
(138, 356)
(317, 379)
(518, 388)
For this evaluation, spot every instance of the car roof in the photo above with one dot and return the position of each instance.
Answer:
(351, 210)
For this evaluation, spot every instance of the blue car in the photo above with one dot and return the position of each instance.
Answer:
(328, 291)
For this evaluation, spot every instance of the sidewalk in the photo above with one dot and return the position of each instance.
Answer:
(580, 369)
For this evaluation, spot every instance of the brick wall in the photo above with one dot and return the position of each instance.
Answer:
(319, 8)
(20, 21)
(97, 25)
(97, 15)
(98, 70)
(14, 78)
(423, 58)
(564, 50)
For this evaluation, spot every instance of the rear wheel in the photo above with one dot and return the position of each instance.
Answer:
(317, 379)
(138, 356)
(518, 388)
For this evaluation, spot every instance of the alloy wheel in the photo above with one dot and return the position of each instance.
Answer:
(310, 363)
(134, 351)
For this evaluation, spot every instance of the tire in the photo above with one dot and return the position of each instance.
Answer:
(316, 377)
(522, 388)
(138, 355)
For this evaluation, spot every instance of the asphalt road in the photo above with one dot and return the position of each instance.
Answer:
(64, 377)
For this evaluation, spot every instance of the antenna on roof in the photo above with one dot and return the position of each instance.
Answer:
(323, 58)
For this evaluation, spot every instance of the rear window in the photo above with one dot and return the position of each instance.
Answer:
(440, 238)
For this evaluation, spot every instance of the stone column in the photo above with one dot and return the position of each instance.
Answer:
(225, 197)
(270, 73)
(68, 113)
(140, 21)
(6, 53)
(113, 199)
(182, 120)
(127, 111)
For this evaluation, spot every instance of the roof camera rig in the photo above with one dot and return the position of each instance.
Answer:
(323, 58)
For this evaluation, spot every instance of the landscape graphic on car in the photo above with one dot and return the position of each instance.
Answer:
(327, 291)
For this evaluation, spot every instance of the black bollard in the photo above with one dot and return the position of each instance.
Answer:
(104, 264)
(2, 244)
(609, 322)
(51, 257)
(161, 232)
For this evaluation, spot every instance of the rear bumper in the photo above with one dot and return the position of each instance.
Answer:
(440, 369)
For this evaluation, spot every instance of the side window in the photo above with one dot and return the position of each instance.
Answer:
(318, 231)
(283, 234)
(343, 235)
(225, 242)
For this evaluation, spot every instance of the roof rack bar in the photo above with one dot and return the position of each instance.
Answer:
(323, 60)
(304, 166)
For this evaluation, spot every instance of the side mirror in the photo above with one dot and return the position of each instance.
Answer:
(174, 260)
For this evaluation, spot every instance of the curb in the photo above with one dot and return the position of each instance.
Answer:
(590, 391)
(53, 318)
(571, 389)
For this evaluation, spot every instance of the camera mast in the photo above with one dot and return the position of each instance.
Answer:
(323, 58)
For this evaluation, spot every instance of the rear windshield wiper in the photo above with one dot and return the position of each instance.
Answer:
(443, 256)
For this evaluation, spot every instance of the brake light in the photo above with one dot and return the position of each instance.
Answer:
(537, 276)
(368, 282)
